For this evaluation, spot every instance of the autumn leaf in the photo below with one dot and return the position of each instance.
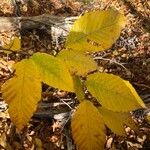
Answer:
(78, 88)
(95, 31)
(116, 120)
(53, 71)
(23, 92)
(14, 45)
(113, 92)
(88, 127)
(77, 62)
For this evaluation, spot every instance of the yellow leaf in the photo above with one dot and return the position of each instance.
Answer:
(116, 120)
(147, 118)
(88, 127)
(53, 71)
(113, 92)
(14, 45)
(22, 92)
(95, 31)
(77, 62)
(147, 115)
(78, 88)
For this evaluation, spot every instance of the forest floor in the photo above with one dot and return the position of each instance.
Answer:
(129, 58)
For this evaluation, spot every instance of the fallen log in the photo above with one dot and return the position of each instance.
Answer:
(26, 23)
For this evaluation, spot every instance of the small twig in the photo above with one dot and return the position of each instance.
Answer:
(41, 43)
(17, 9)
(111, 61)
(64, 124)
(72, 19)
(51, 105)
(8, 50)
(121, 65)
(70, 145)
(15, 52)
(66, 104)
(142, 85)
(69, 142)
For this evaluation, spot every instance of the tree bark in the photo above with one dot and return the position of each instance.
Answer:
(26, 23)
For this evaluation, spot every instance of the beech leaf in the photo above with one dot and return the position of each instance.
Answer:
(53, 71)
(14, 45)
(77, 62)
(95, 30)
(88, 127)
(113, 92)
(23, 92)
(116, 120)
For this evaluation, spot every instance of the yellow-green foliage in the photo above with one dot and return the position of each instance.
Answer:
(53, 71)
(94, 31)
(88, 127)
(113, 93)
(14, 45)
(117, 122)
(77, 62)
(23, 92)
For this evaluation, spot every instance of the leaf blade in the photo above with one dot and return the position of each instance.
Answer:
(77, 62)
(93, 31)
(88, 128)
(78, 88)
(116, 120)
(113, 93)
(23, 92)
(14, 45)
(53, 71)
